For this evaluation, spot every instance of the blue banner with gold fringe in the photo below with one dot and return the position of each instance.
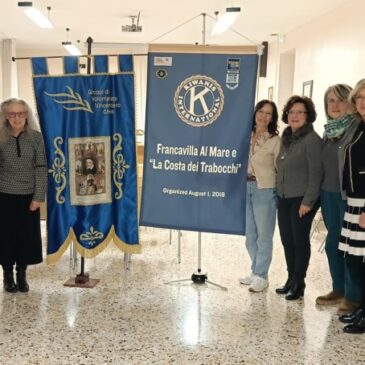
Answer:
(88, 124)
(198, 127)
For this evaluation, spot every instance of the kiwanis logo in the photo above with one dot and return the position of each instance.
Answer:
(199, 100)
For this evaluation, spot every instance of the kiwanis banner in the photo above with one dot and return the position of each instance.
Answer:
(88, 126)
(199, 118)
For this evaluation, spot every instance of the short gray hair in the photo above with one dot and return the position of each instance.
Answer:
(5, 129)
(342, 91)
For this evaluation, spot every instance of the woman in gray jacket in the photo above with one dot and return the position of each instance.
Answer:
(298, 182)
(339, 130)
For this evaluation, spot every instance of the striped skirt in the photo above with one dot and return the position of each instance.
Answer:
(352, 236)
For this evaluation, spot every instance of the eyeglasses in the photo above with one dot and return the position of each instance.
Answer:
(293, 112)
(13, 115)
(266, 114)
(360, 97)
(335, 101)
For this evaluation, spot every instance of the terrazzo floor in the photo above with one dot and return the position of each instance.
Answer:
(132, 317)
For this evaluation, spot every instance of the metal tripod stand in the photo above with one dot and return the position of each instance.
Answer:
(198, 277)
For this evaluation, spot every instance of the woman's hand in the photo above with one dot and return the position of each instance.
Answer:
(362, 220)
(34, 205)
(303, 210)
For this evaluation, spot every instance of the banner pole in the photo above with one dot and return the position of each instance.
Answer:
(83, 277)
(199, 277)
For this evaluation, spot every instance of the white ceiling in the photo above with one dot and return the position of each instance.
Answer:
(102, 20)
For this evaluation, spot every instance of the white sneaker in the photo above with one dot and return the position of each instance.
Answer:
(258, 284)
(247, 280)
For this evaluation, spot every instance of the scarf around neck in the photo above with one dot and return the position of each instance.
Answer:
(335, 128)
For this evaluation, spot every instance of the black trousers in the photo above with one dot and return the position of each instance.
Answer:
(357, 267)
(363, 285)
(295, 236)
(20, 238)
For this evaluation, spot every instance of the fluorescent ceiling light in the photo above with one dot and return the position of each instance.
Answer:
(35, 15)
(71, 49)
(225, 20)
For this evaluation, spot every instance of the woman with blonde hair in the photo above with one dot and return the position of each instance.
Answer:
(339, 130)
(352, 241)
(23, 181)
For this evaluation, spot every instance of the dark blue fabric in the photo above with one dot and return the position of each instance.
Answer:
(89, 106)
(39, 66)
(178, 191)
(71, 64)
(125, 63)
(101, 64)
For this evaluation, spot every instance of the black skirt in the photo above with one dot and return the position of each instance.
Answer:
(20, 238)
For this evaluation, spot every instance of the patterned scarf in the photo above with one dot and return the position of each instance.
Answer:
(335, 128)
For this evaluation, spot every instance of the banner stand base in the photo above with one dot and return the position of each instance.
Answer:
(198, 278)
(81, 282)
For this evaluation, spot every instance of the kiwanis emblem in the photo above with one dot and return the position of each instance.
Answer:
(199, 100)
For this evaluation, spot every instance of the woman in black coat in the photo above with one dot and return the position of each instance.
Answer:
(353, 229)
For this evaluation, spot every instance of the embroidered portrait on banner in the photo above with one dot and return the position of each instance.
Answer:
(89, 161)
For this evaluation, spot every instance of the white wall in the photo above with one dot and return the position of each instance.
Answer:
(328, 50)
(9, 73)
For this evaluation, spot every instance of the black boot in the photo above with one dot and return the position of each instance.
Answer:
(9, 284)
(352, 317)
(357, 327)
(285, 288)
(21, 278)
(296, 290)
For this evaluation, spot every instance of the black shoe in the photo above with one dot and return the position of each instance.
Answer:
(285, 288)
(9, 284)
(351, 317)
(358, 327)
(21, 279)
(296, 291)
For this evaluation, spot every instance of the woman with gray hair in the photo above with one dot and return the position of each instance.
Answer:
(23, 181)
(339, 130)
(352, 240)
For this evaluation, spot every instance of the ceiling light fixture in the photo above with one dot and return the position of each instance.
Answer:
(225, 20)
(70, 47)
(35, 15)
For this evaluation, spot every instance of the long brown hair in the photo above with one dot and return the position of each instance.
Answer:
(273, 125)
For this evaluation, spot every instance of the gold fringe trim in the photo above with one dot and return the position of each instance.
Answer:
(93, 252)
(53, 258)
(124, 246)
